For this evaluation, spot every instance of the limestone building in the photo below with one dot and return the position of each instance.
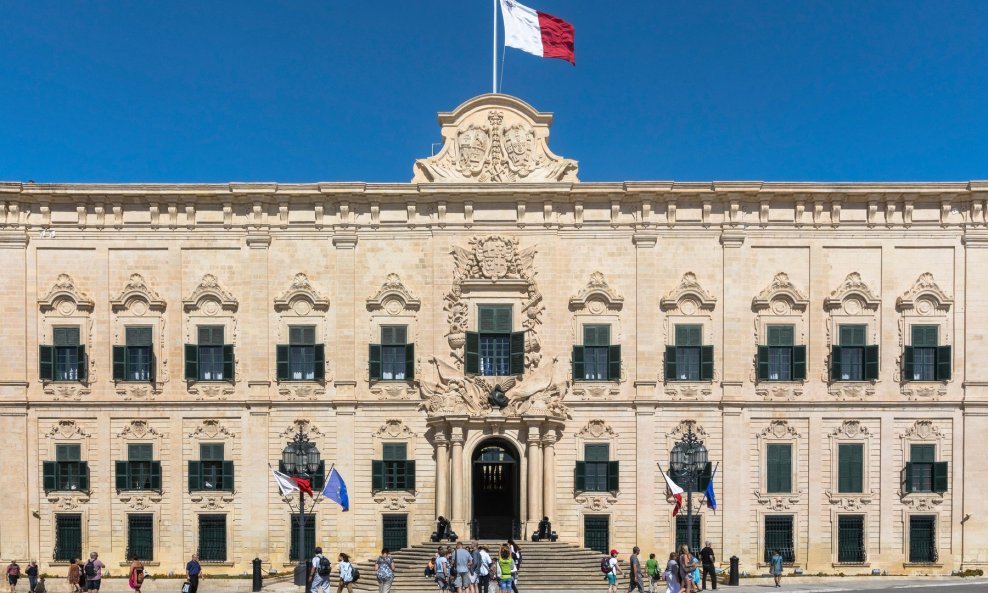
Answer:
(494, 342)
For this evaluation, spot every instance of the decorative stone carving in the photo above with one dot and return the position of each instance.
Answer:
(67, 429)
(140, 502)
(597, 296)
(922, 501)
(688, 391)
(211, 391)
(688, 296)
(596, 429)
(924, 392)
(781, 297)
(923, 430)
(780, 392)
(138, 391)
(779, 429)
(212, 502)
(209, 297)
(851, 429)
(494, 139)
(596, 502)
(595, 391)
(393, 297)
(851, 502)
(301, 297)
(307, 428)
(68, 502)
(393, 391)
(139, 429)
(843, 391)
(394, 502)
(211, 429)
(852, 296)
(925, 296)
(394, 428)
(137, 297)
(65, 298)
(301, 391)
(683, 427)
(66, 391)
(777, 502)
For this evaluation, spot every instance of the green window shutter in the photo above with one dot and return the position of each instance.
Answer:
(799, 363)
(922, 453)
(670, 363)
(227, 478)
(122, 477)
(689, 335)
(779, 469)
(578, 368)
(409, 362)
(119, 363)
(517, 364)
(835, 363)
(850, 468)
(156, 475)
(580, 477)
(871, 363)
(613, 475)
(925, 336)
(772, 468)
(940, 476)
(377, 475)
(410, 475)
(49, 471)
(84, 476)
(502, 319)
(191, 362)
(46, 363)
(319, 373)
(704, 478)
(82, 365)
(907, 364)
(762, 364)
(153, 371)
(706, 363)
(229, 363)
(906, 478)
(281, 362)
(943, 363)
(472, 353)
(614, 363)
(195, 476)
(485, 319)
(374, 361)
(318, 476)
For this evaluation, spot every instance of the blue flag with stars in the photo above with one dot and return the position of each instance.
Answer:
(711, 499)
(335, 490)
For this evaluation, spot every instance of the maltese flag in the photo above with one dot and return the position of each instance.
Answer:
(537, 32)
(676, 492)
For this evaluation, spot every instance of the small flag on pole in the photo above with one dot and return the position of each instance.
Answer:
(286, 484)
(303, 485)
(711, 499)
(673, 489)
(537, 33)
(335, 489)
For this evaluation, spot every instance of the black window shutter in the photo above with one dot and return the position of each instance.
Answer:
(377, 475)
(152, 372)
(229, 363)
(871, 363)
(191, 362)
(907, 364)
(835, 363)
(84, 476)
(939, 476)
(799, 363)
(46, 363)
(374, 361)
(613, 473)
(906, 478)
(706, 363)
(762, 363)
(49, 470)
(943, 363)
(578, 368)
(82, 364)
(122, 477)
(119, 363)
(472, 353)
(320, 362)
(409, 362)
(703, 480)
(228, 476)
(281, 362)
(195, 476)
(156, 475)
(580, 478)
(517, 366)
(670, 363)
(410, 475)
(614, 363)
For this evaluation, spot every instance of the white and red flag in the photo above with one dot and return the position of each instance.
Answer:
(537, 32)
(286, 484)
(673, 489)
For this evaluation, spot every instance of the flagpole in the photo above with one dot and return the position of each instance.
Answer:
(494, 53)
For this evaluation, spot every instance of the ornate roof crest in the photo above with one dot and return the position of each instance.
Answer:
(494, 139)
(597, 291)
(781, 296)
(65, 291)
(209, 289)
(393, 291)
(301, 288)
(924, 289)
(853, 287)
(689, 289)
(137, 289)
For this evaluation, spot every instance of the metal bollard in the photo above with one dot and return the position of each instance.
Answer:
(257, 575)
(734, 579)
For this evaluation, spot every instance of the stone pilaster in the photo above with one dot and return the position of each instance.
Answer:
(534, 458)
(549, 473)
(457, 517)
(442, 475)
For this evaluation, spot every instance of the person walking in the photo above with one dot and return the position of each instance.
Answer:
(13, 573)
(385, 571)
(775, 563)
(652, 569)
(516, 556)
(505, 568)
(613, 573)
(474, 566)
(74, 573)
(636, 571)
(32, 575)
(136, 578)
(193, 570)
(685, 568)
(671, 574)
(484, 570)
(442, 569)
(346, 574)
(461, 563)
(319, 570)
(707, 560)
(93, 572)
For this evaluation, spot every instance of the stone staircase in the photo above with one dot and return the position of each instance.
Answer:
(545, 566)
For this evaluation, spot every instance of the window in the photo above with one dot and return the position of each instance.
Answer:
(850, 539)
(688, 359)
(140, 536)
(68, 537)
(923, 473)
(596, 359)
(494, 350)
(211, 472)
(135, 360)
(310, 537)
(779, 359)
(394, 358)
(596, 473)
(779, 536)
(139, 471)
(681, 536)
(209, 359)
(922, 538)
(597, 533)
(301, 359)
(67, 472)
(212, 538)
(853, 359)
(66, 359)
(850, 467)
(925, 359)
(395, 471)
(778, 470)
(395, 530)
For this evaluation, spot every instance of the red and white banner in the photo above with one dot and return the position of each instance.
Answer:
(673, 489)
(537, 33)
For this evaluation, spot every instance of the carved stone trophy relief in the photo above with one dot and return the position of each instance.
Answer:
(494, 139)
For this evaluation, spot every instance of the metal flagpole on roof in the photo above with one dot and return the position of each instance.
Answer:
(494, 46)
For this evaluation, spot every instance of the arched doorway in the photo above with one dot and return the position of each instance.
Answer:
(496, 490)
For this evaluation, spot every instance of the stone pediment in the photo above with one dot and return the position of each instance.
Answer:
(494, 138)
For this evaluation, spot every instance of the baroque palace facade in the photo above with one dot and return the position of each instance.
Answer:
(496, 342)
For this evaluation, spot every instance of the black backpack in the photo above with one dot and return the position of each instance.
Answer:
(324, 566)
(90, 569)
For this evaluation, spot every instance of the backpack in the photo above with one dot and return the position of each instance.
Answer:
(605, 565)
(90, 569)
(354, 574)
(324, 566)
(14, 571)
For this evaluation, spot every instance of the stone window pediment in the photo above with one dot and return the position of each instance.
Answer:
(301, 297)
(781, 296)
(393, 297)
(209, 297)
(597, 297)
(66, 298)
(925, 296)
(135, 292)
(688, 297)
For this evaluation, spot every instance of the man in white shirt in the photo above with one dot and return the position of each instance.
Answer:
(484, 570)
(319, 570)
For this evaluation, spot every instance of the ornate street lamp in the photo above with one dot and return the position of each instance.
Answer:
(300, 457)
(687, 460)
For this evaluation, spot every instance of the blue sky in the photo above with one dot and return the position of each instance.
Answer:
(323, 90)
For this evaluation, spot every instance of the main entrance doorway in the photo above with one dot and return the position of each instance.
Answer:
(496, 490)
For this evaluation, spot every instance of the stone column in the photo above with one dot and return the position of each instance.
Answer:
(549, 474)
(534, 481)
(442, 475)
(457, 518)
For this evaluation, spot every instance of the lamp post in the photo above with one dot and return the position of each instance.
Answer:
(301, 458)
(688, 459)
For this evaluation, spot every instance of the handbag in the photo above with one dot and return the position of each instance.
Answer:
(186, 587)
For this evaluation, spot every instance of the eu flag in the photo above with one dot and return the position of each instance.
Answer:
(335, 490)
(711, 499)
